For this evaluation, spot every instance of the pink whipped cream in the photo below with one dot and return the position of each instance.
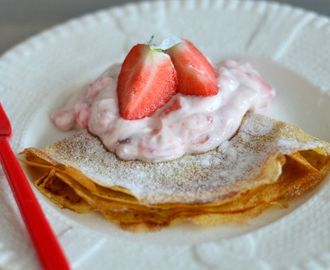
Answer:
(201, 124)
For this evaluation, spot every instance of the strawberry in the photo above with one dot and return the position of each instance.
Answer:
(146, 82)
(176, 105)
(196, 75)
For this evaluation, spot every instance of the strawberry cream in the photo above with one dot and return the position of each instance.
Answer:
(186, 124)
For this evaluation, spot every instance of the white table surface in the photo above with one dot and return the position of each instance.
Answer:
(20, 19)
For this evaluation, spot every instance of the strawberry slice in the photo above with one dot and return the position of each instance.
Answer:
(146, 82)
(176, 105)
(196, 75)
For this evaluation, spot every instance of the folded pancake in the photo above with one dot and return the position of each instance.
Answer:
(264, 164)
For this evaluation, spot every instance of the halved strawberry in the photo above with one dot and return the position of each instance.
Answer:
(147, 81)
(196, 75)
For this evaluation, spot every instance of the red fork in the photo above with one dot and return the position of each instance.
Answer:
(47, 247)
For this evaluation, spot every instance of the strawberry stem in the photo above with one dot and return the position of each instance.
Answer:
(150, 41)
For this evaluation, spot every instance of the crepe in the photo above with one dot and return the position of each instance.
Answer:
(266, 163)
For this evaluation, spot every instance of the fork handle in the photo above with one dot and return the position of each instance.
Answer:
(43, 238)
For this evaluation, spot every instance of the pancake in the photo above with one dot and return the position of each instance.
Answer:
(266, 163)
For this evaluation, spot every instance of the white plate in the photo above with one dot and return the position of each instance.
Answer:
(290, 49)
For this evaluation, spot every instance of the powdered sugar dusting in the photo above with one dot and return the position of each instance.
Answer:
(233, 166)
